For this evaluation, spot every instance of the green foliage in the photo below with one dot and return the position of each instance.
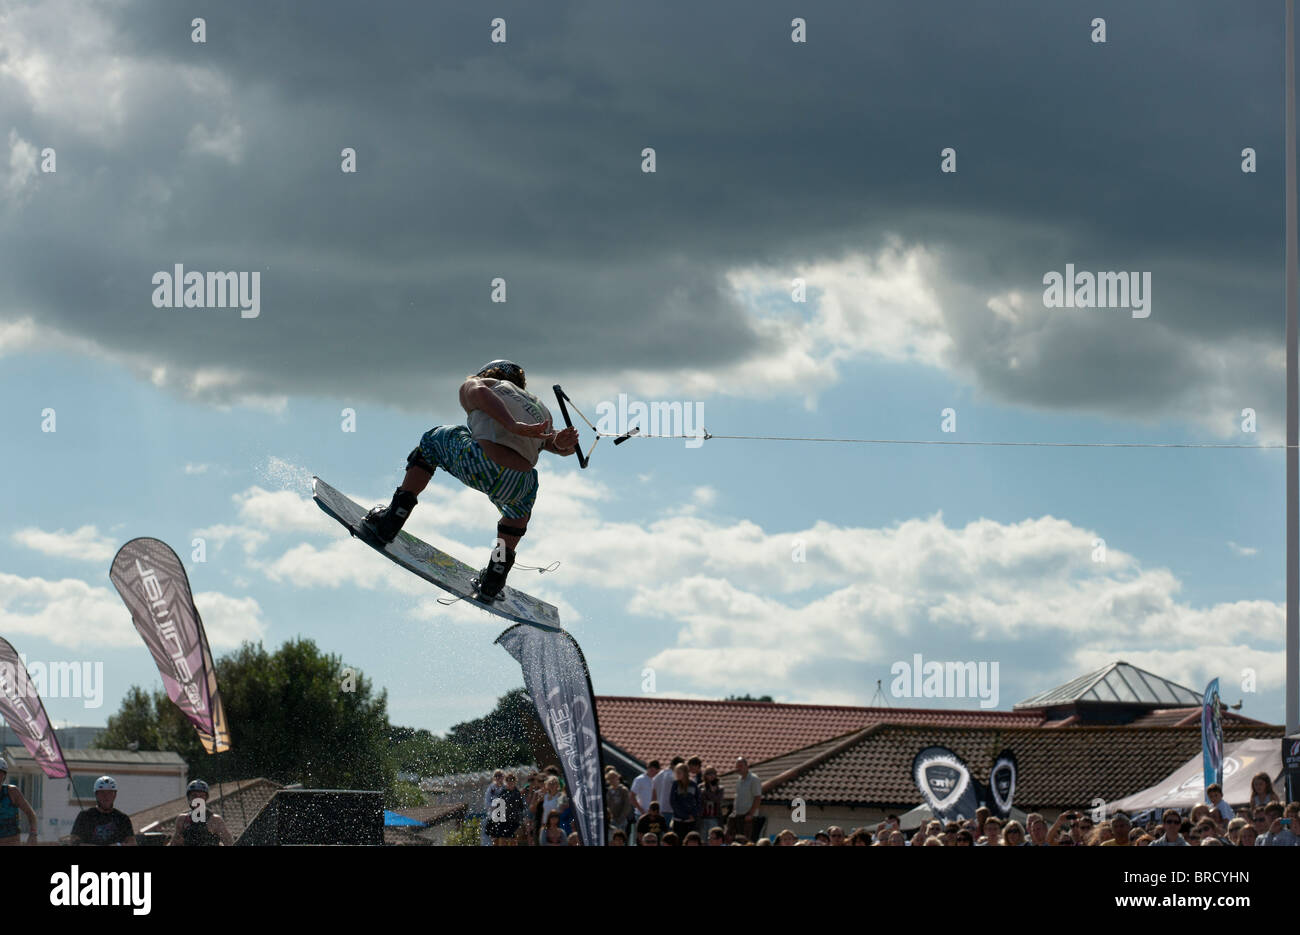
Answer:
(747, 697)
(501, 738)
(422, 753)
(466, 836)
(403, 795)
(290, 721)
(152, 722)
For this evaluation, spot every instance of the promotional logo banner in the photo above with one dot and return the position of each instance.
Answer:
(1291, 767)
(945, 784)
(556, 676)
(1212, 735)
(154, 586)
(22, 710)
(1002, 783)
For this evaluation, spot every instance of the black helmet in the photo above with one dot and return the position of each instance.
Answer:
(507, 370)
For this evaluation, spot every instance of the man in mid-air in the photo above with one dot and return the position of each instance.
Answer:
(496, 451)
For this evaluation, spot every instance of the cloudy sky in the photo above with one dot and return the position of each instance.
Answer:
(774, 161)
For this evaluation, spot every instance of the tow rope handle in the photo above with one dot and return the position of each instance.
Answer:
(562, 398)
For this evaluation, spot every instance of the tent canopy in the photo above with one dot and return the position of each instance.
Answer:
(1184, 788)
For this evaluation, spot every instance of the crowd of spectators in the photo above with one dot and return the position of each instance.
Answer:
(685, 805)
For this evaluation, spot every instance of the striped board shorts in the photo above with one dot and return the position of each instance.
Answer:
(452, 448)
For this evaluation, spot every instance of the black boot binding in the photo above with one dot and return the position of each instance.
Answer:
(492, 579)
(384, 523)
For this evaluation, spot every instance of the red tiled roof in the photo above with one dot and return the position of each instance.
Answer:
(1057, 768)
(719, 731)
(1185, 717)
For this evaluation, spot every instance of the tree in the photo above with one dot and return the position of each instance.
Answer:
(151, 722)
(293, 718)
(747, 697)
(506, 736)
(422, 753)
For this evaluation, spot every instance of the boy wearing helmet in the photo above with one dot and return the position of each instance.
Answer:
(495, 451)
(103, 824)
(199, 827)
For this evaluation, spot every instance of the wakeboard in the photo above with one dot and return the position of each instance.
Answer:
(434, 565)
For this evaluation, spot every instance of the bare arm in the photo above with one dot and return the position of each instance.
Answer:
(217, 825)
(178, 835)
(26, 809)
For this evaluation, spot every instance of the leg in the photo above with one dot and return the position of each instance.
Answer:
(513, 493)
(493, 578)
(386, 522)
(417, 478)
(510, 539)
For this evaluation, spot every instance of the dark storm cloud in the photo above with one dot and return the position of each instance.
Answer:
(522, 161)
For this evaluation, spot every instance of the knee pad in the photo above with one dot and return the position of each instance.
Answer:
(417, 459)
(504, 530)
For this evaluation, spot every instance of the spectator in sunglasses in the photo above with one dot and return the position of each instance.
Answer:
(1013, 835)
(1173, 823)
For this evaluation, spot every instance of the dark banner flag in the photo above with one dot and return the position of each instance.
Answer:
(945, 783)
(1002, 783)
(1291, 767)
(22, 710)
(556, 676)
(154, 586)
(1212, 735)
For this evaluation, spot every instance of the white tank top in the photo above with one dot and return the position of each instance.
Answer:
(525, 407)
